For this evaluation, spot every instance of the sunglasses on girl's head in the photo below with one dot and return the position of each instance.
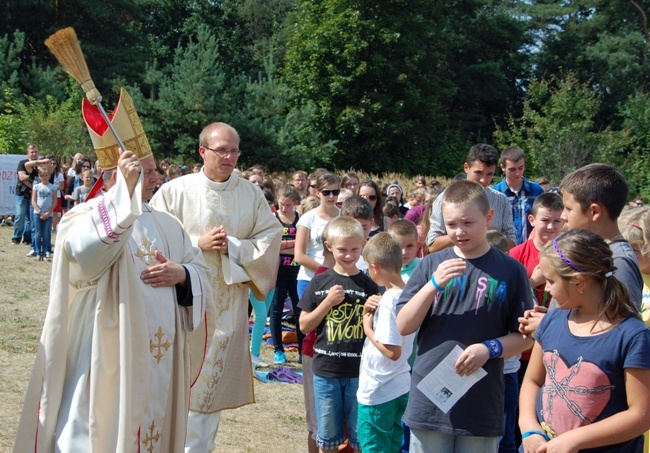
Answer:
(334, 192)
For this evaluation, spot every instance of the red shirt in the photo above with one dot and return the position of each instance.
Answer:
(528, 255)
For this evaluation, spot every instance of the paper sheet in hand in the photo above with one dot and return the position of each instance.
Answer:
(443, 386)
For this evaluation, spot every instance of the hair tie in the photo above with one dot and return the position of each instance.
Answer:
(636, 226)
(564, 258)
(609, 274)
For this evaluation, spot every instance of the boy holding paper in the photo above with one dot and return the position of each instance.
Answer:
(469, 295)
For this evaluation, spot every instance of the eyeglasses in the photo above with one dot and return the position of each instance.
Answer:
(224, 154)
(313, 186)
(85, 166)
(334, 192)
(370, 197)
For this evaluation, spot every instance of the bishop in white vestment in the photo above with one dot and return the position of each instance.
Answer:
(229, 219)
(112, 371)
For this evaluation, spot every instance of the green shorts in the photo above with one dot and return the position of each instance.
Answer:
(380, 427)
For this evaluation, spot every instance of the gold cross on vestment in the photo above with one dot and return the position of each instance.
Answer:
(150, 439)
(146, 250)
(153, 346)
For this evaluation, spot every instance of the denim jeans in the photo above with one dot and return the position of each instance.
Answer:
(508, 443)
(424, 441)
(32, 224)
(42, 240)
(282, 289)
(22, 226)
(336, 404)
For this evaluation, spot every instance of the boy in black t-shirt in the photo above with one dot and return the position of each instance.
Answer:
(333, 305)
(470, 296)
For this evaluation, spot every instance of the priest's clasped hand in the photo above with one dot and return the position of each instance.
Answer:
(214, 240)
(167, 273)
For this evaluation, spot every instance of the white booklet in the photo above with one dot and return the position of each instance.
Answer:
(443, 386)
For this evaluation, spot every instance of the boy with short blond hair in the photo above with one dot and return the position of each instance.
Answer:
(407, 233)
(359, 209)
(333, 305)
(469, 295)
(384, 379)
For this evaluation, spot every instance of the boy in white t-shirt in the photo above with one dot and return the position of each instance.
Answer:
(384, 378)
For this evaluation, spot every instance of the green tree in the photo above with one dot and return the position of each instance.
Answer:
(636, 138)
(185, 96)
(12, 136)
(56, 127)
(272, 133)
(370, 72)
(556, 129)
(409, 84)
(110, 33)
(483, 42)
(10, 64)
(603, 43)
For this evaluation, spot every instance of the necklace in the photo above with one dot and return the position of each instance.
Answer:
(587, 328)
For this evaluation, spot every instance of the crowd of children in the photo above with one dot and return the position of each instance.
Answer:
(462, 342)
(380, 320)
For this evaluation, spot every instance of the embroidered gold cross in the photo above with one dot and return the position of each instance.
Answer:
(150, 439)
(146, 250)
(153, 346)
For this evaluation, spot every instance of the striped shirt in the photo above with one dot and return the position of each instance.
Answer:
(501, 222)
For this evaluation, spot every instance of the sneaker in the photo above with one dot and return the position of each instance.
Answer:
(279, 357)
(48, 256)
(257, 362)
(15, 241)
(31, 253)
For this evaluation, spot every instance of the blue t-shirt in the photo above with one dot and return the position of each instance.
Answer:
(482, 304)
(585, 376)
(44, 195)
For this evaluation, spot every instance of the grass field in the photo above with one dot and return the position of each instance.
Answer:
(276, 423)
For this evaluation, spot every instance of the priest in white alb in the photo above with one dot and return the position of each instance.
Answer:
(229, 219)
(112, 371)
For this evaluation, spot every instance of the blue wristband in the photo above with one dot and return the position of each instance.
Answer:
(495, 348)
(436, 285)
(540, 433)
